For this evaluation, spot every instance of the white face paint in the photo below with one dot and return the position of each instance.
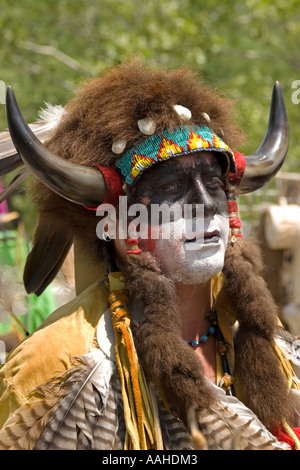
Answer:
(191, 260)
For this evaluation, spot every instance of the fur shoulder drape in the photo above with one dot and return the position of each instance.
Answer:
(264, 386)
(171, 364)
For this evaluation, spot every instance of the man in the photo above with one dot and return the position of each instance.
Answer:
(170, 342)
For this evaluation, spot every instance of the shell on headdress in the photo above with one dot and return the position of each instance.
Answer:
(206, 117)
(183, 112)
(147, 126)
(118, 146)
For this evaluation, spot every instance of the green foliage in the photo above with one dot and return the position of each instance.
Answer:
(48, 48)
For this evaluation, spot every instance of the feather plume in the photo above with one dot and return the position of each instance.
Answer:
(174, 434)
(78, 410)
(15, 183)
(79, 413)
(51, 115)
(23, 429)
(49, 118)
(290, 346)
(12, 293)
(228, 423)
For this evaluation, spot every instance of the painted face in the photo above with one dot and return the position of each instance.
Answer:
(187, 252)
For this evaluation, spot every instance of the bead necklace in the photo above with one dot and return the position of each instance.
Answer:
(227, 379)
(203, 339)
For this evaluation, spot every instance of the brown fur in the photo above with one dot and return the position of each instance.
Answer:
(264, 386)
(108, 108)
(165, 358)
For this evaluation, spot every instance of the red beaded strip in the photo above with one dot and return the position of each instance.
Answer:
(235, 223)
(234, 180)
(132, 243)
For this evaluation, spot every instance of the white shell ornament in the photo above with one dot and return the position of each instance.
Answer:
(147, 126)
(183, 112)
(206, 117)
(118, 146)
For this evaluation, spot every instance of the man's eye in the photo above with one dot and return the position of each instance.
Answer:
(172, 187)
(215, 183)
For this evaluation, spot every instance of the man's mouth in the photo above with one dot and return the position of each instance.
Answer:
(212, 237)
(209, 238)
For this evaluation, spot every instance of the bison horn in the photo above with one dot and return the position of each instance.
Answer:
(263, 165)
(81, 184)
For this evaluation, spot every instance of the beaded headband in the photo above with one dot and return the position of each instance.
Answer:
(182, 141)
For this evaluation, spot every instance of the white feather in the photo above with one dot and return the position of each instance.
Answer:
(229, 416)
(13, 299)
(51, 115)
(290, 346)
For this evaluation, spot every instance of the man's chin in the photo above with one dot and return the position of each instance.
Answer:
(199, 272)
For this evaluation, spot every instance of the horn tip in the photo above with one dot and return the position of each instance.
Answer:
(9, 90)
(277, 85)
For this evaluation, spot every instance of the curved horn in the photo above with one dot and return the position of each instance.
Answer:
(78, 183)
(263, 165)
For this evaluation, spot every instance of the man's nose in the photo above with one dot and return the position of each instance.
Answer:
(198, 194)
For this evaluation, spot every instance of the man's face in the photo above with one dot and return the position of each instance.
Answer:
(194, 180)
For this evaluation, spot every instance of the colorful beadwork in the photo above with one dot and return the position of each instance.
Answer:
(183, 141)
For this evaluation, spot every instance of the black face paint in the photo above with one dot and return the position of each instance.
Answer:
(196, 179)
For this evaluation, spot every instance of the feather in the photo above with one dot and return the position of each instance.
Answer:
(228, 422)
(51, 115)
(49, 251)
(77, 410)
(174, 434)
(295, 396)
(10, 163)
(290, 346)
(22, 430)
(15, 183)
(88, 399)
(49, 118)
(13, 299)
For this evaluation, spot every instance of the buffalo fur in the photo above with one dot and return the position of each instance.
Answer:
(264, 386)
(166, 359)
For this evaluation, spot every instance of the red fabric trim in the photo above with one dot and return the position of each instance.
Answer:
(240, 163)
(282, 436)
(113, 186)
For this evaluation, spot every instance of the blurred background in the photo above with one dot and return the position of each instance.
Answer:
(242, 47)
